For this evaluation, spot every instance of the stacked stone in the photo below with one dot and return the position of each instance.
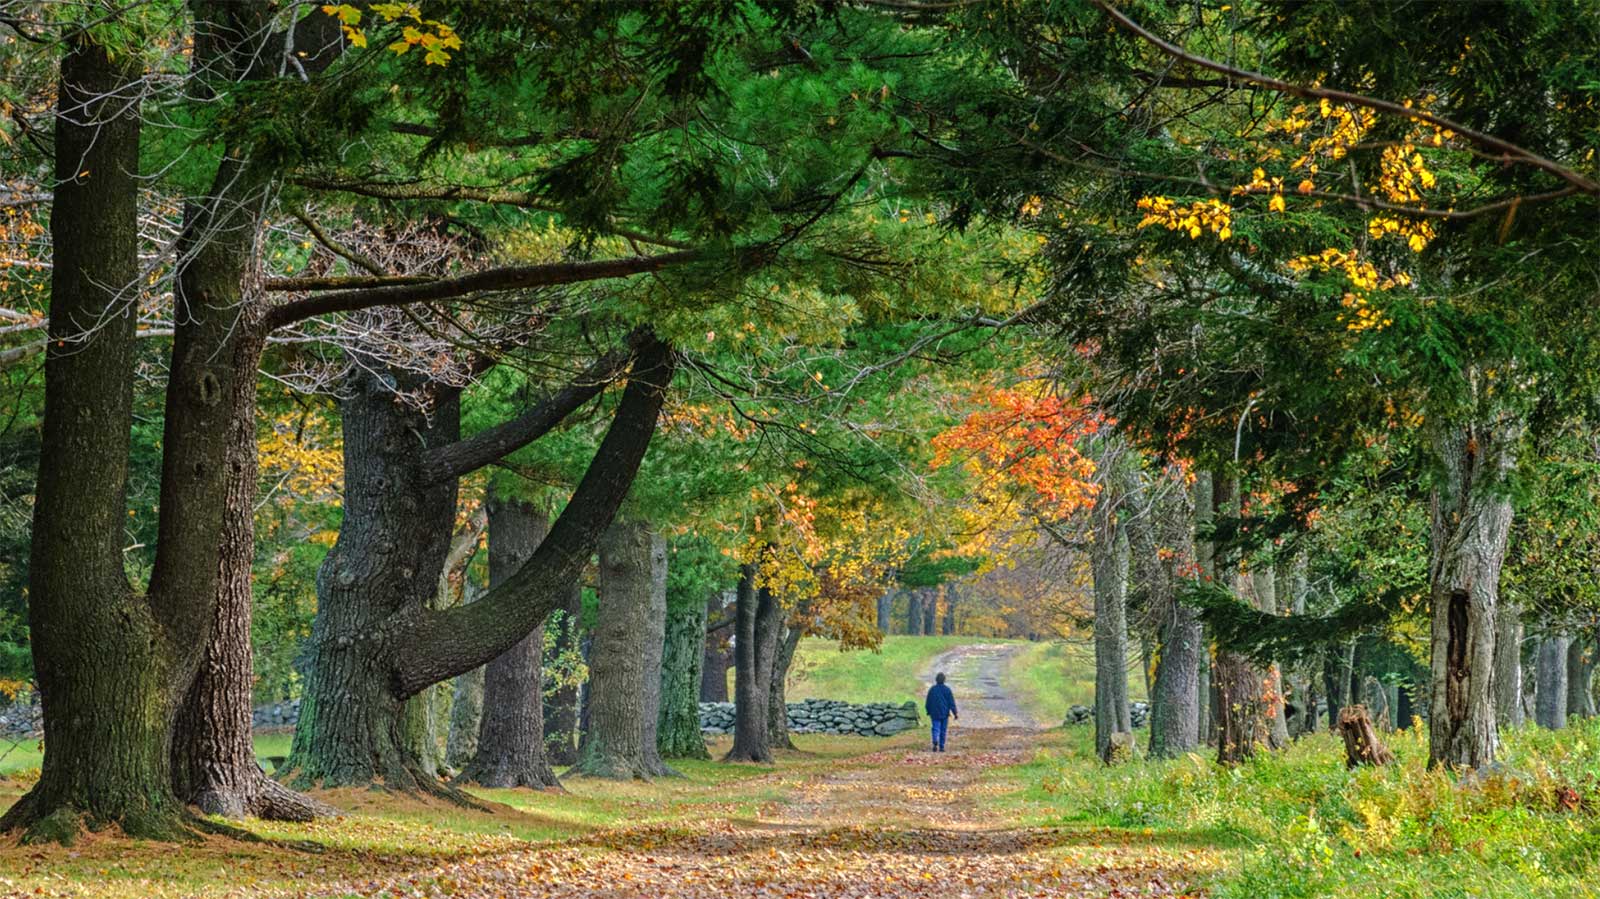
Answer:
(1139, 712)
(277, 714)
(21, 719)
(824, 716)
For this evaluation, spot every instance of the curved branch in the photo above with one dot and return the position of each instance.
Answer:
(431, 646)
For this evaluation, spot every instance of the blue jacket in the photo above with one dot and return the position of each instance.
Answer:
(941, 702)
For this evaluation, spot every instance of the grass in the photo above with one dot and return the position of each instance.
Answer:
(23, 758)
(1049, 677)
(1297, 824)
(894, 674)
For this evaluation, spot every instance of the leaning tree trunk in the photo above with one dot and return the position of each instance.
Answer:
(1508, 665)
(1108, 555)
(1551, 675)
(561, 711)
(614, 746)
(511, 731)
(684, 652)
(1580, 677)
(778, 693)
(1163, 522)
(1471, 512)
(755, 644)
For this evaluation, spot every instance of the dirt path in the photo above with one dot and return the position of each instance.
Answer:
(898, 822)
(976, 674)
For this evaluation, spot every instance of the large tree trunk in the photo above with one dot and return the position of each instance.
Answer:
(930, 611)
(511, 731)
(755, 644)
(619, 698)
(1551, 674)
(655, 628)
(466, 718)
(109, 677)
(390, 550)
(1108, 555)
(1471, 513)
(374, 643)
(1508, 665)
(213, 752)
(778, 693)
(1580, 677)
(885, 604)
(683, 654)
(1163, 521)
(428, 717)
(718, 653)
(914, 612)
(948, 625)
(561, 711)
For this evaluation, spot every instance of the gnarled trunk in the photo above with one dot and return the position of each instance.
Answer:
(511, 730)
(682, 655)
(1471, 512)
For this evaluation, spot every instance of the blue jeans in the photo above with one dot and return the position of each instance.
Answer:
(940, 725)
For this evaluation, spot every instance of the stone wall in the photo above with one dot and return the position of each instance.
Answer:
(825, 716)
(20, 719)
(1082, 714)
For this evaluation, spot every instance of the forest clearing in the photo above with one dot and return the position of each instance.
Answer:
(799, 448)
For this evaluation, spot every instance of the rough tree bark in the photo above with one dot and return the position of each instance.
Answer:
(561, 711)
(1551, 675)
(655, 634)
(755, 644)
(620, 743)
(1162, 519)
(1471, 512)
(106, 659)
(1580, 677)
(374, 643)
(1508, 665)
(511, 730)
(1108, 557)
(683, 654)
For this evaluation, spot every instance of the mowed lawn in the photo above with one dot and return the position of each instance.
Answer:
(891, 674)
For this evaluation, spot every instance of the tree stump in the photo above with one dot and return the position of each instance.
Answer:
(1361, 743)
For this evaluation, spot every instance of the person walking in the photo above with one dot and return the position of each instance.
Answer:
(941, 707)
